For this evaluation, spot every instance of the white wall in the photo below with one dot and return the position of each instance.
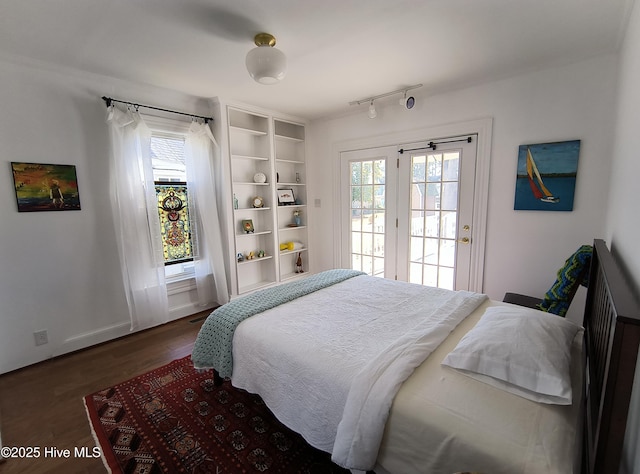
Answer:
(623, 224)
(60, 270)
(524, 248)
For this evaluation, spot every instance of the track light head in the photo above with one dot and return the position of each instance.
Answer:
(372, 111)
(407, 102)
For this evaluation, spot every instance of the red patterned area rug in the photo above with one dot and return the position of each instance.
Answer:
(173, 419)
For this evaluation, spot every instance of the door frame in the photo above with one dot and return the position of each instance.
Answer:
(483, 128)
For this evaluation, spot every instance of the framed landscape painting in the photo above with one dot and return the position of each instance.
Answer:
(45, 187)
(546, 178)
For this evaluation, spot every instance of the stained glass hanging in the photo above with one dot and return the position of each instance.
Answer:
(174, 221)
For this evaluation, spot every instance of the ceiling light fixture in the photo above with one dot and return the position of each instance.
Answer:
(266, 64)
(372, 111)
(407, 102)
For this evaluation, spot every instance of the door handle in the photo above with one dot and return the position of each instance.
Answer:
(464, 240)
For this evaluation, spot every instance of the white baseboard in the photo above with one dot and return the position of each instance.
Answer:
(186, 310)
(91, 338)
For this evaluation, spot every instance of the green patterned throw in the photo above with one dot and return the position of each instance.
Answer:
(213, 346)
(574, 272)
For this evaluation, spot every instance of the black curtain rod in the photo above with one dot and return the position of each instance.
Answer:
(432, 145)
(109, 100)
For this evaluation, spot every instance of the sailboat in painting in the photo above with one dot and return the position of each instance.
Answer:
(539, 190)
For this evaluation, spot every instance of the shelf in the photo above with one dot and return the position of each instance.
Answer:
(294, 162)
(289, 252)
(292, 228)
(247, 234)
(291, 184)
(252, 209)
(286, 130)
(249, 183)
(291, 206)
(291, 139)
(255, 260)
(249, 157)
(248, 131)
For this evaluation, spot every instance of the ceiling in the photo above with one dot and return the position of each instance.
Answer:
(338, 50)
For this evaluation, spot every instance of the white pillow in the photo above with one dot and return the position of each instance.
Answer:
(523, 351)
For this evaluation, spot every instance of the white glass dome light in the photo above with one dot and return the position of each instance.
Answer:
(266, 64)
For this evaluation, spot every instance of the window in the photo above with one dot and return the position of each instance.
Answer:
(169, 174)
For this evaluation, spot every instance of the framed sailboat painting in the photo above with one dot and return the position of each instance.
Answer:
(546, 179)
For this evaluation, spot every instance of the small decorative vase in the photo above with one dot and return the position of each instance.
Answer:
(297, 220)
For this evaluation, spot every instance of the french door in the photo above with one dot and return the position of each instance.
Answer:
(408, 211)
(369, 194)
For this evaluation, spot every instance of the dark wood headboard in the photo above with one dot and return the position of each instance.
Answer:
(612, 337)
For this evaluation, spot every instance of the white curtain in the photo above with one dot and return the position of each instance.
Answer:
(134, 207)
(201, 153)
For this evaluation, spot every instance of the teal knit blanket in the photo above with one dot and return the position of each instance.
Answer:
(213, 346)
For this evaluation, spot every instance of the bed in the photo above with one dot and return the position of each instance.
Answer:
(612, 328)
(392, 383)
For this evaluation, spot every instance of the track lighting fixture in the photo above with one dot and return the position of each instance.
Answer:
(372, 111)
(406, 102)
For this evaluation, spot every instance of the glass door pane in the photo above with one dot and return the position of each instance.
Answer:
(368, 214)
(434, 215)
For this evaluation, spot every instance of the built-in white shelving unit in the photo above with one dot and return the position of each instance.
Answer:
(290, 165)
(255, 143)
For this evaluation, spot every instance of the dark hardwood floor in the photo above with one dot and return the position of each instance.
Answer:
(42, 405)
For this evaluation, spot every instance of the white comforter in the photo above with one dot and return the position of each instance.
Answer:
(330, 363)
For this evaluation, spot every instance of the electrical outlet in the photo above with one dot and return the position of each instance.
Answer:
(41, 337)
